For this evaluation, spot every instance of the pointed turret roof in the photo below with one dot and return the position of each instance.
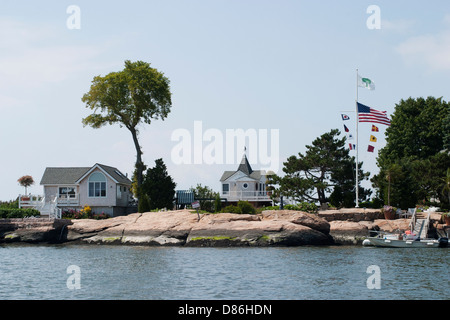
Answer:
(244, 166)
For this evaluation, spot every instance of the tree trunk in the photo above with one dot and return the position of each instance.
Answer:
(139, 163)
(389, 190)
(321, 196)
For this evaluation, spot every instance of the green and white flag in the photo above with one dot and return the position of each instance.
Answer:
(366, 83)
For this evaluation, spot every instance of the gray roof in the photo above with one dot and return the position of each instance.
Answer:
(244, 167)
(116, 174)
(63, 175)
(254, 175)
(70, 175)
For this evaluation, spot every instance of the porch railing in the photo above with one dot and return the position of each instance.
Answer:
(71, 200)
(44, 205)
(30, 200)
(246, 195)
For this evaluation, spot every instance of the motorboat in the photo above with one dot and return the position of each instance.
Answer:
(397, 241)
(416, 237)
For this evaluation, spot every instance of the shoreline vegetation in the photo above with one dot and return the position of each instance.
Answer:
(183, 228)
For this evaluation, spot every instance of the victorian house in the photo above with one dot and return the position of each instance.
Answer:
(245, 184)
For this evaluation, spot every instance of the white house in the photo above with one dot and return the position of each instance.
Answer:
(105, 189)
(245, 184)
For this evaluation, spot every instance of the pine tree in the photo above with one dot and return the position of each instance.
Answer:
(324, 173)
(159, 187)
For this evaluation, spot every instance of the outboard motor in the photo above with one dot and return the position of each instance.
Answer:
(443, 242)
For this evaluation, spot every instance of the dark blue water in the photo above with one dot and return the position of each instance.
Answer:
(127, 272)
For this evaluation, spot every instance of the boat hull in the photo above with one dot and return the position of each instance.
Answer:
(392, 243)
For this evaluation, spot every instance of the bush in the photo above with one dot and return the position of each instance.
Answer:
(85, 213)
(13, 204)
(144, 203)
(231, 209)
(246, 207)
(10, 213)
(100, 216)
(243, 207)
(271, 208)
(303, 206)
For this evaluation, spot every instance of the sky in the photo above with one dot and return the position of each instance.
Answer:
(283, 71)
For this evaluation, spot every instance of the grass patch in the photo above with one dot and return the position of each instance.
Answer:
(264, 238)
(111, 239)
(216, 238)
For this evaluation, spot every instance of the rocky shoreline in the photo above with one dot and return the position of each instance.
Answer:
(182, 228)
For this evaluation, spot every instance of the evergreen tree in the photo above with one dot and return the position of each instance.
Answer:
(446, 132)
(158, 186)
(217, 203)
(324, 173)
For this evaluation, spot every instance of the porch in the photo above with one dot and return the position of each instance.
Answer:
(253, 196)
(47, 206)
(36, 201)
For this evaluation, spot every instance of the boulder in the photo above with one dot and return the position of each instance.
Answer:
(183, 227)
(298, 217)
(348, 232)
(247, 230)
(32, 230)
(391, 226)
(351, 214)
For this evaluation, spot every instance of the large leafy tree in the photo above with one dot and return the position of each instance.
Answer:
(158, 187)
(138, 94)
(324, 173)
(417, 130)
(415, 144)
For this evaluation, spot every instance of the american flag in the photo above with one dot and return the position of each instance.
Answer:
(367, 114)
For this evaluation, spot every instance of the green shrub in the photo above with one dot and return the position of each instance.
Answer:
(303, 206)
(243, 207)
(10, 213)
(231, 209)
(144, 203)
(13, 204)
(246, 207)
(271, 208)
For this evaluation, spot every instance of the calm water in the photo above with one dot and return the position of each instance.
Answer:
(122, 272)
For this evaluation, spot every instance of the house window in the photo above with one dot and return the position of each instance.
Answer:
(67, 192)
(119, 192)
(225, 188)
(245, 186)
(97, 185)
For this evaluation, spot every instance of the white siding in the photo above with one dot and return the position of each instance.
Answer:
(109, 200)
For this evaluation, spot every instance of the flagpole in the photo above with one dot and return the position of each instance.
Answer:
(357, 144)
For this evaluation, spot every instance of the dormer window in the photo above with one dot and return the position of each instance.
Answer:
(97, 185)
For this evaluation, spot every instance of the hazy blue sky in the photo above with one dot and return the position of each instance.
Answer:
(276, 65)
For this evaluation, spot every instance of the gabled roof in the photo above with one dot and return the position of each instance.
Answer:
(73, 175)
(255, 175)
(113, 173)
(245, 168)
(53, 176)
